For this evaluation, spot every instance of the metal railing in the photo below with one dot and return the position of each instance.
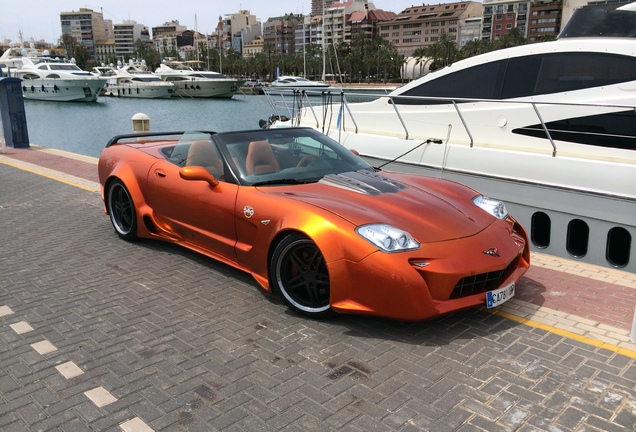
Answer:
(297, 103)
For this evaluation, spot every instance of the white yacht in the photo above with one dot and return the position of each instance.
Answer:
(288, 84)
(134, 81)
(190, 83)
(550, 128)
(11, 59)
(56, 80)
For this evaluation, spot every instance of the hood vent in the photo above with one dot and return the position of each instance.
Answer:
(363, 182)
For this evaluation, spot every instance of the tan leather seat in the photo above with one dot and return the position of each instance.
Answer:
(260, 158)
(202, 153)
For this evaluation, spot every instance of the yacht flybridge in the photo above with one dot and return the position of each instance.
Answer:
(550, 128)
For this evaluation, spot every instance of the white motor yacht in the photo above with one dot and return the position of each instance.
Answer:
(56, 80)
(550, 128)
(11, 59)
(287, 84)
(190, 83)
(134, 81)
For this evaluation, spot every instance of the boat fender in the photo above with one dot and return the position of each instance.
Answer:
(43, 88)
(24, 88)
(198, 88)
(32, 89)
(137, 90)
(55, 87)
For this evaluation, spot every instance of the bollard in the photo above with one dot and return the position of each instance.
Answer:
(141, 123)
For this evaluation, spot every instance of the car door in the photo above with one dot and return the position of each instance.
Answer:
(202, 215)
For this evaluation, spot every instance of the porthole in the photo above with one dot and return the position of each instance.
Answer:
(578, 238)
(540, 228)
(619, 243)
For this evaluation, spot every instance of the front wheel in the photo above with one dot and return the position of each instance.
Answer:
(300, 277)
(121, 209)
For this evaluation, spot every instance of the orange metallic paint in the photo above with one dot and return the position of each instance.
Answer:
(216, 219)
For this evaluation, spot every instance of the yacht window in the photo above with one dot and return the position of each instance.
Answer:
(478, 82)
(574, 71)
(527, 76)
(556, 73)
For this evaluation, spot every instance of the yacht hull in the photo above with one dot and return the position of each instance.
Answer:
(205, 89)
(140, 91)
(60, 90)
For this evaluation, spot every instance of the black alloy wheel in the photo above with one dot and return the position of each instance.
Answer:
(121, 209)
(300, 277)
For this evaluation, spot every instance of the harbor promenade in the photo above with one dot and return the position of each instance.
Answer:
(98, 334)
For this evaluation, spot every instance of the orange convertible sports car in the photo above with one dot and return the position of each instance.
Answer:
(314, 223)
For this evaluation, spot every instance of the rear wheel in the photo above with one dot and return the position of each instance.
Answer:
(121, 209)
(300, 277)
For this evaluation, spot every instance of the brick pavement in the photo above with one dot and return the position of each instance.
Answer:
(184, 343)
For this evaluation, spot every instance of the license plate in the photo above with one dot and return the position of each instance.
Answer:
(496, 297)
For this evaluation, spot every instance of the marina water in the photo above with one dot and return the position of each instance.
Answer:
(84, 128)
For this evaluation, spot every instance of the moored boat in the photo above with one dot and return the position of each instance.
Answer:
(190, 83)
(134, 81)
(57, 80)
(288, 84)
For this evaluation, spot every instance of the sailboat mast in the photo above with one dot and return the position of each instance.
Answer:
(324, 66)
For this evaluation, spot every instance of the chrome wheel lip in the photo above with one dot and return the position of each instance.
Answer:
(118, 213)
(279, 278)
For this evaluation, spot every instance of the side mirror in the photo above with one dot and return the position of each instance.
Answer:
(198, 173)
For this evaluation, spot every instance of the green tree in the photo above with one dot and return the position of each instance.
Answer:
(145, 50)
(82, 59)
(475, 47)
(514, 37)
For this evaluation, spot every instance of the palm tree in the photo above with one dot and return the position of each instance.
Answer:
(475, 47)
(514, 37)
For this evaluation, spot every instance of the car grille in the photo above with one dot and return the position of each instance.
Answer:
(480, 283)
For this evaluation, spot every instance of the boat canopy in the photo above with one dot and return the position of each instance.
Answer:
(604, 21)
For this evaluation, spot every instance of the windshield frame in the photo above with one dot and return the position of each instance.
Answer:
(323, 156)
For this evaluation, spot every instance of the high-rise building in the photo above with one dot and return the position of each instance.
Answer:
(86, 26)
(238, 29)
(317, 6)
(126, 34)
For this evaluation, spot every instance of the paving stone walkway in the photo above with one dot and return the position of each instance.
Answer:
(97, 334)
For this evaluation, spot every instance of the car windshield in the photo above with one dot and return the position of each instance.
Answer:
(285, 156)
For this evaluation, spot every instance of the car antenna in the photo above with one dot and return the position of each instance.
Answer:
(428, 141)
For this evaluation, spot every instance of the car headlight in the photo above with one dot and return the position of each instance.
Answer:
(387, 238)
(492, 206)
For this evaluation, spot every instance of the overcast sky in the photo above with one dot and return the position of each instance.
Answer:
(40, 19)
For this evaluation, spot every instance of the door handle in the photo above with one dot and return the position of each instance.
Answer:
(160, 173)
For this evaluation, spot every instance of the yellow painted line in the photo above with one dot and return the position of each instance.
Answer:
(61, 180)
(568, 334)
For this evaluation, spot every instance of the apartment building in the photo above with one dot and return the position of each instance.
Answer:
(87, 27)
(238, 29)
(279, 33)
(126, 34)
(419, 26)
(501, 16)
(544, 19)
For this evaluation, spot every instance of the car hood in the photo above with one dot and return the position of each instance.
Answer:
(429, 209)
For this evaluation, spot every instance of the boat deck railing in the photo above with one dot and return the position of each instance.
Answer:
(324, 105)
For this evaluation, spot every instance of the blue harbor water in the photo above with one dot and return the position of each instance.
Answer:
(84, 128)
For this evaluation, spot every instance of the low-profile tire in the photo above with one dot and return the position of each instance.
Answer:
(121, 209)
(299, 276)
